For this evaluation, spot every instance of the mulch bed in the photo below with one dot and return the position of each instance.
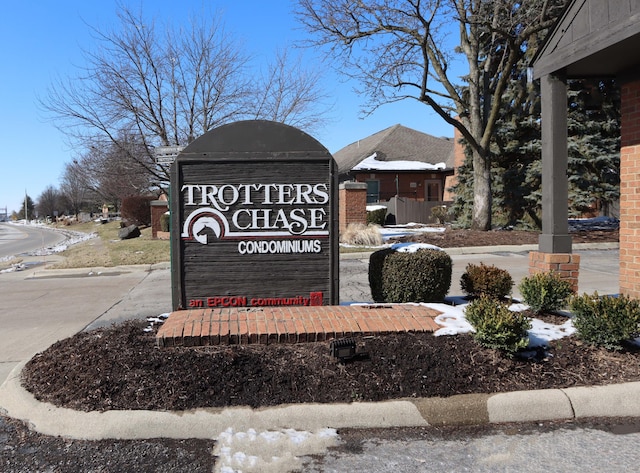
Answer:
(456, 238)
(121, 368)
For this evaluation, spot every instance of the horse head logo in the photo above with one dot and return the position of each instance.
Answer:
(200, 224)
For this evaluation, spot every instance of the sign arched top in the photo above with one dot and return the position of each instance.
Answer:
(255, 136)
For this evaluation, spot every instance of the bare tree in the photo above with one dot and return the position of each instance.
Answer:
(108, 172)
(72, 187)
(405, 49)
(48, 202)
(288, 92)
(167, 86)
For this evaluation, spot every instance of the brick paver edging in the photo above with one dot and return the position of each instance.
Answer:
(197, 327)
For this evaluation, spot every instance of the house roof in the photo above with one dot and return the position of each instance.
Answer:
(592, 38)
(397, 143)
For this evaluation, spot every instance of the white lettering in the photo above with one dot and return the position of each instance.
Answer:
(323, 194)
(250, 247)
(262, 207)
(316, 217)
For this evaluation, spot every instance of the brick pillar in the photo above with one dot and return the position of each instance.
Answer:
(630, 188)
(565, 265)
(352, 197)
(158, 208)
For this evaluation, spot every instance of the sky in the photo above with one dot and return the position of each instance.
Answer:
(44, 40)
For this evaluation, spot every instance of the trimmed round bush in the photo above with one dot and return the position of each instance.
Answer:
(545, 292)
(496, 326)
(377, 216)
(420, 276)
(606, 321)
(482, 280)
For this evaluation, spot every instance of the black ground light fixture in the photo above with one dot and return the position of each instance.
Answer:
(343, 348)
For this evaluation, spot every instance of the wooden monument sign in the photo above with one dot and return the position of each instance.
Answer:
(254, 219)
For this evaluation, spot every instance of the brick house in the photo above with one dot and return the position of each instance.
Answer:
(592, 38)
(398, 161)
(406, 170)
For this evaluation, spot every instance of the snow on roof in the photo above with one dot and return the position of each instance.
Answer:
(372, 164)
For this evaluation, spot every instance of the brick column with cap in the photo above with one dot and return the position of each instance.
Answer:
(565, 265)
(352, 198)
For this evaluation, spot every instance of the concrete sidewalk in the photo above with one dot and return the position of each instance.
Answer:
(42, 306)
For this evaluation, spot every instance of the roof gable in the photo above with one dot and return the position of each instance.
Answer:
(592, 38)
(396, 143)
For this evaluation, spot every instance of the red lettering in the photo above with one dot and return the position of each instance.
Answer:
(227, 301)
(196, 303)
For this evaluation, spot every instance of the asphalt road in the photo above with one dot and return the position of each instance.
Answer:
(580, 447)
(19, 239)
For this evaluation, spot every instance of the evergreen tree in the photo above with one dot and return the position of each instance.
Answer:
(593, 152)
(30, 209)
(594, 146)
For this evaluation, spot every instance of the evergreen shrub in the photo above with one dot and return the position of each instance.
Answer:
(482, 280)
(544, 292)
(496, 326)
(421, 276)
(606, 321)
(377, 217)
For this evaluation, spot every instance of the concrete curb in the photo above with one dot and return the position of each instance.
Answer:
(475, 250)
(618, 400)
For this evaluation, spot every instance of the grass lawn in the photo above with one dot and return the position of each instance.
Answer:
(108, 250)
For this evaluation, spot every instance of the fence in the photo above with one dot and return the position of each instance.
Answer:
(401, 210)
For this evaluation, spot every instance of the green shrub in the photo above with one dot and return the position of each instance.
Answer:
(496, 326)
(421, 276)
(165, 221)
(377, 217)
(482, 280)
(605, 321)
(544, 292)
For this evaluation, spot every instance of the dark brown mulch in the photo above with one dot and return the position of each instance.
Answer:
(121, 368)
(456, 238)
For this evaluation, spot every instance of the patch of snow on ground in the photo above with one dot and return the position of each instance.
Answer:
(71, 239)
(14, 268)
(373, 208)
(252, 451)
(454, 322)
(595, 223)
(413, 247)
(389, 231)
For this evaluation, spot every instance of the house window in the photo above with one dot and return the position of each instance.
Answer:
(432, 190)
(373, 191)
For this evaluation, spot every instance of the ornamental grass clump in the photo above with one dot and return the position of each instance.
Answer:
(482, 280)
(606, 321)
(496, 326)
(361, 235)
(545, 292)
(420, 276)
